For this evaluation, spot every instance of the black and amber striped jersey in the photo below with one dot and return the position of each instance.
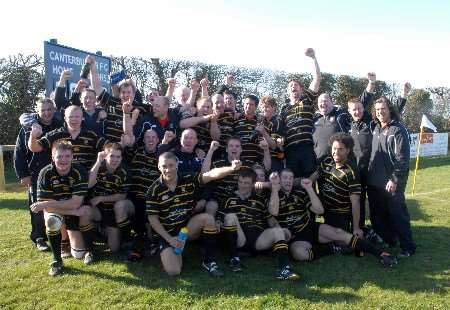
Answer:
(114, 118)
(297, 120)
(173, 207)
(244, 128)
(144, 170)
(203, 131)
(274, 126)
(294, 210)
(111, 183)
(251, 212)
(53, 186)
(85, 146)
(336, 184)
(226, 186)
(226, 124)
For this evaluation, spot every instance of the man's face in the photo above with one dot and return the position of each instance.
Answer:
(230, 103)
(294, 89)
(234, 149)
(268, 111)
(152, 95)
(151, 140)
(249, 107)
(382, 112)
(185, 93)
(189, 139)
(73, 118)
(88, 99)
(287, 181)
(356, 110)
(339, 152)
(218, 103)
(260, 175)
(62, 160)
(203, 108)
(160, 108)
(245, 185)
(46, 112)
(325, 104)
(168, 169)
(113, 159)
(126, 93)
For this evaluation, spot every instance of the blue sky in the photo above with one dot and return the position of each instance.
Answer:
(399, 40)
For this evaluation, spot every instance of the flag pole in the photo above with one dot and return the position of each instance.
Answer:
(417, 160)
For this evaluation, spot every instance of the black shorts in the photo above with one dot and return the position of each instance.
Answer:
(310, 234)
(108, 216)
(338, 220)
(72, 222)
(251, 235)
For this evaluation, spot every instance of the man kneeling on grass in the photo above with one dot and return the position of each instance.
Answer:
(170, 201)
(295, 211)
(62, 187)
(245, 224)
(110, 182)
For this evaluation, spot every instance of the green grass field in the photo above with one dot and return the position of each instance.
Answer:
(342, 282)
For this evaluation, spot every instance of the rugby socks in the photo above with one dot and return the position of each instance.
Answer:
(54, 238)
(209, 236)
(280, 251)
(362, 245)
(125, 230)
(88, 235)
(320, 250)
(231, 237)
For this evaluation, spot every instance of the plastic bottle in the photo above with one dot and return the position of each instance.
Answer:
(182, 237)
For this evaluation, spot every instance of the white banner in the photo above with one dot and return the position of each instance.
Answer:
(432, 144)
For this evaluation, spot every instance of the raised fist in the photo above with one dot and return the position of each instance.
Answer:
(214, 146)
(81, 85)
(310, 52)
(36, 130)
(65, 75)
(101, 156)
(406, 89)
(263, 144)
(168, 137)
(204, 82)
(236, 165)
(90, 59)
(306, 183)
(171, 82)
(274, 179)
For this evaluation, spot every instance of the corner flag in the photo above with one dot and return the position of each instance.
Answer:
(426, 123)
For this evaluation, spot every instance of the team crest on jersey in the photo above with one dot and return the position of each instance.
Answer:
(253, 204)
(233, 202)
(165, 197)
(86, 142)
(55, 182)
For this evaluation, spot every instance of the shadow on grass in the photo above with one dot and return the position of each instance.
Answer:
(416, 211)
(14, 204)
(330, 279)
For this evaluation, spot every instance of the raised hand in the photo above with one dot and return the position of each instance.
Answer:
(65, 75)
(204, 82)
(171, 82)
(90, 59)
(372, 77)
(81, 85)
(168, 137)
(101, 156)
(310, 52)
(214, 146)
(406, 89)
(229, 80)
(195, 86)
(236, 165)
(306, 183)
(274, 179)
(263, 144)
(36, 130)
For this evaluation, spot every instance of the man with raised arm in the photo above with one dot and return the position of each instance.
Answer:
(297, 117)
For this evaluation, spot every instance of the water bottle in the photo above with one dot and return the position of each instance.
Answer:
(182, 237)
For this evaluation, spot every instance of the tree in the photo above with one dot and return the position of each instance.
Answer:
(419, 103)
(21, 82)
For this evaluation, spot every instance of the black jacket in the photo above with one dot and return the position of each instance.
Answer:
(27, 163)
(390, 154)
